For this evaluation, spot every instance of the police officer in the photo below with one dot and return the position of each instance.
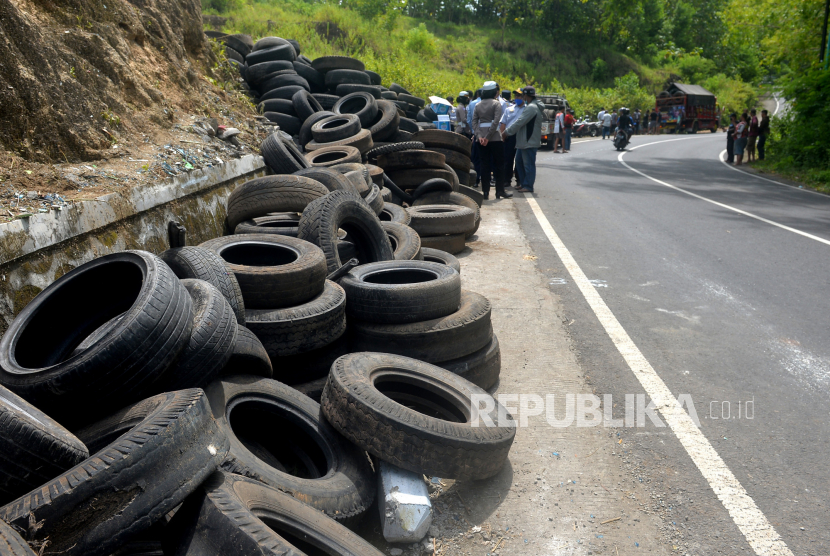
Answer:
(474, 154)
(461, 114)
(486, 118)
(509, 116)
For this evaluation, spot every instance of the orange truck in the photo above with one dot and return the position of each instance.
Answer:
(687, 109)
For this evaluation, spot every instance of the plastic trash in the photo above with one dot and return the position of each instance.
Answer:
(405, 507)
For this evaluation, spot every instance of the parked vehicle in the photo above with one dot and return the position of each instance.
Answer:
(585, 127)
(687, 108)
(553, 104)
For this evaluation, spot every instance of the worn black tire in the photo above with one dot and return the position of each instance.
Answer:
(305, 105)
(318, 467)
(211, 341)
(239, 42)
(398, 89)
(335, 128)
(394, 213)
(363, 105)
(248, 357)
(374, 77)
(432, 186)
(389, 95)
(281, 193)
(374, 199)
(442, 257)
(427, 115)
(329, 63)
(473, 194)
(315, 79)
(305, 130)
(410, 159)
(326, 101)
(349, 167)
(369, 398)
(280, 79)
(301, 328)
(148, 458)
(257, 73)
(327, 157)
(268, 42)
(436, 220)
(273, 271)
(393, 147)
(441, 139)
(202, 264)
(406, 244)
(12, 544)
(400, 292)
(310, 365)
(482, 367)
(342, 76)
(33, 448)
(385, 124)
(463, 177)
(413, 177)
(402, 196)
(282, 157)
(233, 54)
(453, 198)
(332, 179)
(268, 225)
(36, 353)
(376, 175)
(348, 88)
(222, 518)
(279, 105)
(401, 136)
(362, 141)
(286, 92)
(409, 126)
(442, 339)
(289, 124)
(454, 243)
(455, 159)
(279, 52)
(343, 209)
(417, 101)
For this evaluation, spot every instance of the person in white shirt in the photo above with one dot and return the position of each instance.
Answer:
(606, 125)
(559, 131)
(600, 115)
(510, 115)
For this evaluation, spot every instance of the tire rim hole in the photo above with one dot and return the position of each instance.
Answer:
(354, 105)
(76, 310)
(279, 224)
(330, 157)
(334, 123)
(436, 210)
(294, 450)
(259, 254)
(421, 397)
(399, 276)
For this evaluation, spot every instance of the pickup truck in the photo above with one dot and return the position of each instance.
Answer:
(553, 104)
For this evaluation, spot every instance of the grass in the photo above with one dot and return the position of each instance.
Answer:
(430, 57)
(815, 179)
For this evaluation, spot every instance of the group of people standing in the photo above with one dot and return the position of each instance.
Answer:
(648, 122)
(745, 135)
(505, 135)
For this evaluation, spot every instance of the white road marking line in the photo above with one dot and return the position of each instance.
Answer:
(722, 205)
(759, 533)
(722, 158)
(777, 105)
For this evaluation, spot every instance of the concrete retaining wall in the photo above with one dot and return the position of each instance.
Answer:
(36, 251)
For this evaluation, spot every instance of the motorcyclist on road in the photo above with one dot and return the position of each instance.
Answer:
(625, 122)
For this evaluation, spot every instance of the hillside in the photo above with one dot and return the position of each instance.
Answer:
(430, 57)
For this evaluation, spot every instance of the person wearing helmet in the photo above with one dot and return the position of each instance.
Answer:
(624, 122)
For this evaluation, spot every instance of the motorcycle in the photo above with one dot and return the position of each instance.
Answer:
(621, 139)
(586, 127)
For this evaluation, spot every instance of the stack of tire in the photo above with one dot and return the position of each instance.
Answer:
(160, 437)
(417, 309)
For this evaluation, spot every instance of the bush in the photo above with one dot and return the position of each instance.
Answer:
(695, 69)
(599, 70)
(420, 41)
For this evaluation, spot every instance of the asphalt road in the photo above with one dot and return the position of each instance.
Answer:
(725, 307)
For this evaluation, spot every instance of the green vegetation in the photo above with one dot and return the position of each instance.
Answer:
(599, 53)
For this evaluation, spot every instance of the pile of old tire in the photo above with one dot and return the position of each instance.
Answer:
(417, 309)
(456, 150)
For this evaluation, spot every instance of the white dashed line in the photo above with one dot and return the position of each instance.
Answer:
(758, 531)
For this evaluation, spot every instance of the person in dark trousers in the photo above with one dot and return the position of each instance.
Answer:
(486, 116)
(763, 133)
(510, 115)
(474, 154)
(753, 136)
(730, 139)
(528, 130)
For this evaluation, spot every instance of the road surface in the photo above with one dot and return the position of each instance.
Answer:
(720, 279)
